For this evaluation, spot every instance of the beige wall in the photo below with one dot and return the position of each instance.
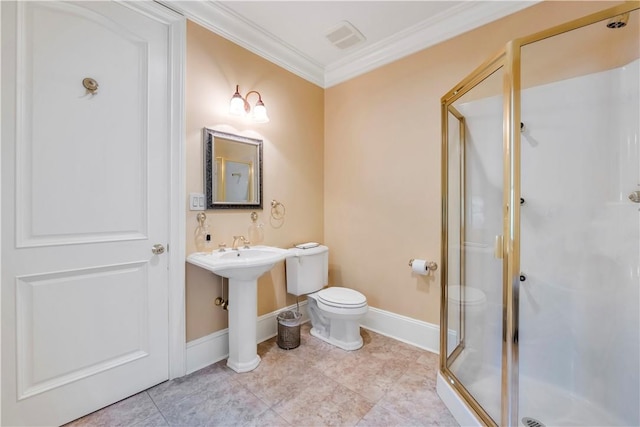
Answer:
(382, 161)
(293, 163)
(361, 175)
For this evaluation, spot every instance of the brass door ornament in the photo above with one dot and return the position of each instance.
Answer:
(91, 85)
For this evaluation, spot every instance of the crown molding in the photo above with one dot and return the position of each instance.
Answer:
(228, 24)
(443, 26)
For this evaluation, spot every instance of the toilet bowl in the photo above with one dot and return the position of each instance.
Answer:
(335, 312)
(472, 302)
(335, 316)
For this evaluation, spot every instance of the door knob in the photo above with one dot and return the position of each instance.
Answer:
(157, 249)
(635, 197)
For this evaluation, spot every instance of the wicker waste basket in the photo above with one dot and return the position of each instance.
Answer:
(289, 329)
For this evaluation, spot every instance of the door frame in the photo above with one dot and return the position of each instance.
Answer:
(176, 246)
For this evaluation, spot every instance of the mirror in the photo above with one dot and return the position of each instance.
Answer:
(232, 171)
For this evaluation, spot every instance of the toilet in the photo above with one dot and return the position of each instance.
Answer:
(335, 312)
(473, 302)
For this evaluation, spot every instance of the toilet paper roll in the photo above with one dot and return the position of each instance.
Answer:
(419, 266)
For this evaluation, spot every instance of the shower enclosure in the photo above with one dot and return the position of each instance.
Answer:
(541, 229)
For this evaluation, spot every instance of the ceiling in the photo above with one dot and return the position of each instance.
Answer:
(292, 34)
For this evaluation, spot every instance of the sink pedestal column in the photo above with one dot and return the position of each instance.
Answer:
(243, 316)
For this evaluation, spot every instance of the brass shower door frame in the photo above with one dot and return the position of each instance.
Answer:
(485, 70)
(509, 59)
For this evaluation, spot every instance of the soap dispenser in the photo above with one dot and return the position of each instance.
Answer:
(256, 230)
(204, 243)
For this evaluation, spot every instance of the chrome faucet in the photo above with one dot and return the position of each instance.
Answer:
(237, 239)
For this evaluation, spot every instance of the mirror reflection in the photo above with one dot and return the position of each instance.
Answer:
(233, 171)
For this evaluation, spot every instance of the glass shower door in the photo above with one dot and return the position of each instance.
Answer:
(474, 220)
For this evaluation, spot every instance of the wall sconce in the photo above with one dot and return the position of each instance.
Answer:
(240, 107)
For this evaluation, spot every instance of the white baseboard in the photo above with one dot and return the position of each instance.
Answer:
(215, 347)
(402, 328)
(207, 350)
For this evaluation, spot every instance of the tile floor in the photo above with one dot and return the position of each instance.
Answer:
(385, 383)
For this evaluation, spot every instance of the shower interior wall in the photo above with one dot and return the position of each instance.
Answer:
(579, 305)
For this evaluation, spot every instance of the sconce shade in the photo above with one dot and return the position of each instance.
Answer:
(240, 107)
(236, 106)
(260, 112)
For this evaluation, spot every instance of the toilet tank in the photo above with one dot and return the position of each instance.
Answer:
(307, 270)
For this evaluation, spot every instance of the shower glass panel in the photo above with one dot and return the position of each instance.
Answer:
(580, 239)
(455, 124)
(474, 217)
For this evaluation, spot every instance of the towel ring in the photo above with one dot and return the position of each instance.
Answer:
(278, 210)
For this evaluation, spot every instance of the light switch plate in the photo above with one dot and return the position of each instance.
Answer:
(196, 202)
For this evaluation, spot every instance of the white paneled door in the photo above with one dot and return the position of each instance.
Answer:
(85, 197)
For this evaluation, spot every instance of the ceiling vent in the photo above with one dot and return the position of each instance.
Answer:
(344, 35)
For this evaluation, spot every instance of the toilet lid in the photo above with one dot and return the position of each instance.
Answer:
(342, 297)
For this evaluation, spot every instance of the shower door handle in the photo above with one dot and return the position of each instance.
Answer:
(635, 197)
(498, 247)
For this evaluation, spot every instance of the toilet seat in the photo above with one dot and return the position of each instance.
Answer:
(344, 298)
(466, 295)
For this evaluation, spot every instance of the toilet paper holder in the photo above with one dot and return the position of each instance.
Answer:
(431, 266)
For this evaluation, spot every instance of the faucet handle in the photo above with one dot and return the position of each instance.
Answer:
(246, 244)
(221, 247)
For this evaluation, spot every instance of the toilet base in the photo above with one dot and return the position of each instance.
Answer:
(349, 346)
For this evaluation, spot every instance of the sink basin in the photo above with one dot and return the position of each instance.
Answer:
(242, 267)
(241, 264)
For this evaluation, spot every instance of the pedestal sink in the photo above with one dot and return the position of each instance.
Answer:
(242, 267)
